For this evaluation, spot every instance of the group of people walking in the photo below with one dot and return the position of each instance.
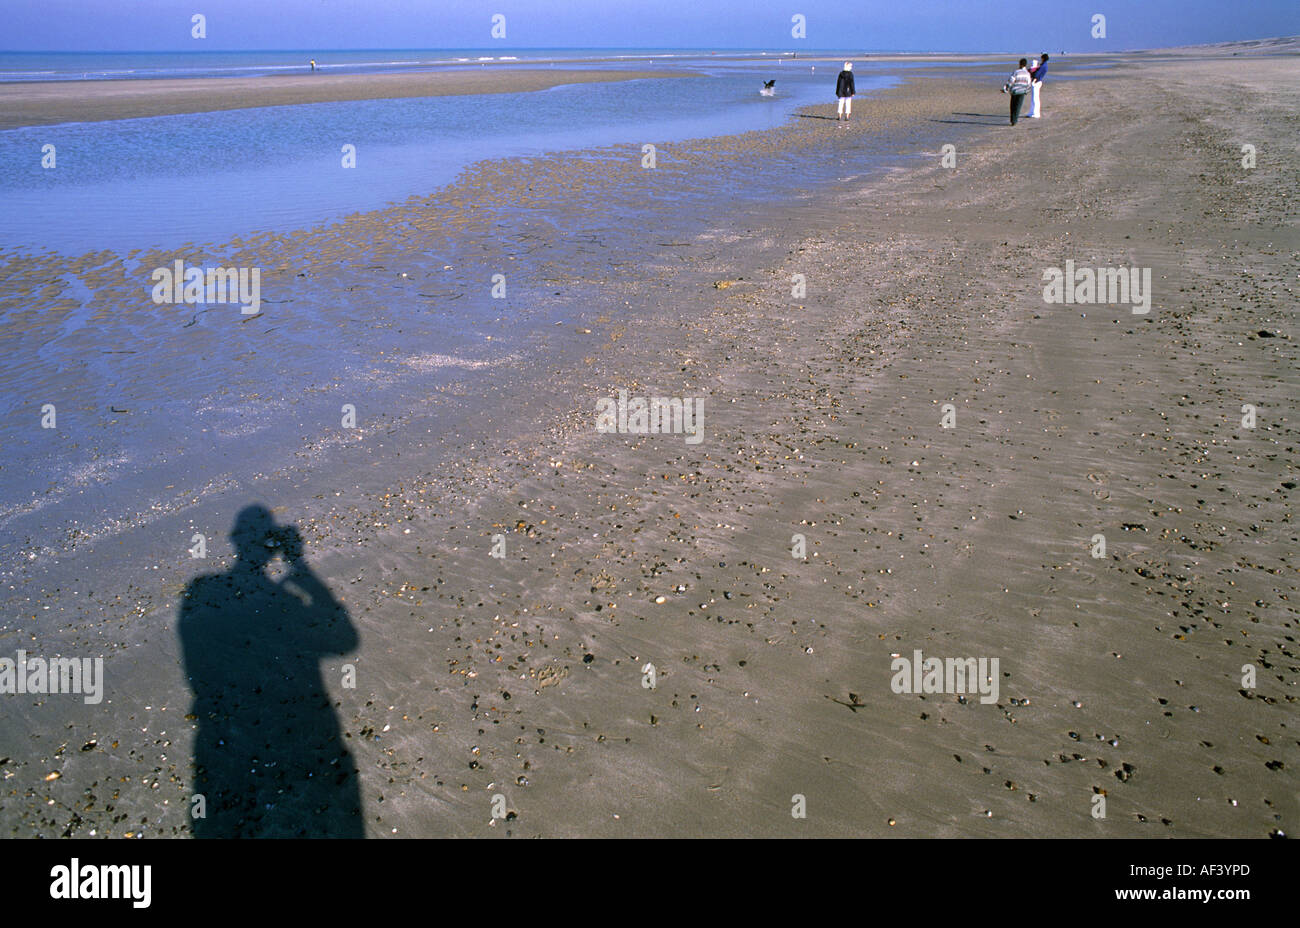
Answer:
(1027, 81)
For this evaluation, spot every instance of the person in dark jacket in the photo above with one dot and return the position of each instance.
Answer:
(1019, 85)
(1038, 74)
(845, 90)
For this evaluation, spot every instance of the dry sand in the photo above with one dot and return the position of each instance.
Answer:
(54, 102)
(1122, 676)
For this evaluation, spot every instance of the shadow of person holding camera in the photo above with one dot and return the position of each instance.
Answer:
(269, 757)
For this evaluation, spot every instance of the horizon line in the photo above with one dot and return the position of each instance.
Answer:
(611, 48)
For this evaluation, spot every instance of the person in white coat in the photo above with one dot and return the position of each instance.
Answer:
(1033, 85)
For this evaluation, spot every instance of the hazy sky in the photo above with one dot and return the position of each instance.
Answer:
(940, 25)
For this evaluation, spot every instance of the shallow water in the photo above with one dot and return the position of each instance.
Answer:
(206, 177)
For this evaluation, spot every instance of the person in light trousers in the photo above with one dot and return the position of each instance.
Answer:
(1038, 71)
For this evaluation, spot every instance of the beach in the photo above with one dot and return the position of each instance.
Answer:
(51, 103)
(647, 657)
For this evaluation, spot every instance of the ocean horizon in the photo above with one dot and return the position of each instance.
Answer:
(22, 66)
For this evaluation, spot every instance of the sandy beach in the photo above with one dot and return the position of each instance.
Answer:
(38, 103)
(524, 676)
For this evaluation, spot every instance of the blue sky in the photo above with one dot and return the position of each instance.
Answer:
(939, 25)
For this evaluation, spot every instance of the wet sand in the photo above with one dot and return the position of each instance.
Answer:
(522, 676)
(54, 102)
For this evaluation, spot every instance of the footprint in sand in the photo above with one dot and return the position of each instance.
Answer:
(1099, 492)
(551, 676)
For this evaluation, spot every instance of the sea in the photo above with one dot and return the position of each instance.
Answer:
(167, 180)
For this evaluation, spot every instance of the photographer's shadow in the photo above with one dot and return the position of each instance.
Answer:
(269, 757)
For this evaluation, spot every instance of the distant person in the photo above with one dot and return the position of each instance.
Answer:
(313, 64)
(1037, 73)
(1018, 86)
(844, 91)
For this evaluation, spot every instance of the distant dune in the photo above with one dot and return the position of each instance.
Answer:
(1280, 45)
